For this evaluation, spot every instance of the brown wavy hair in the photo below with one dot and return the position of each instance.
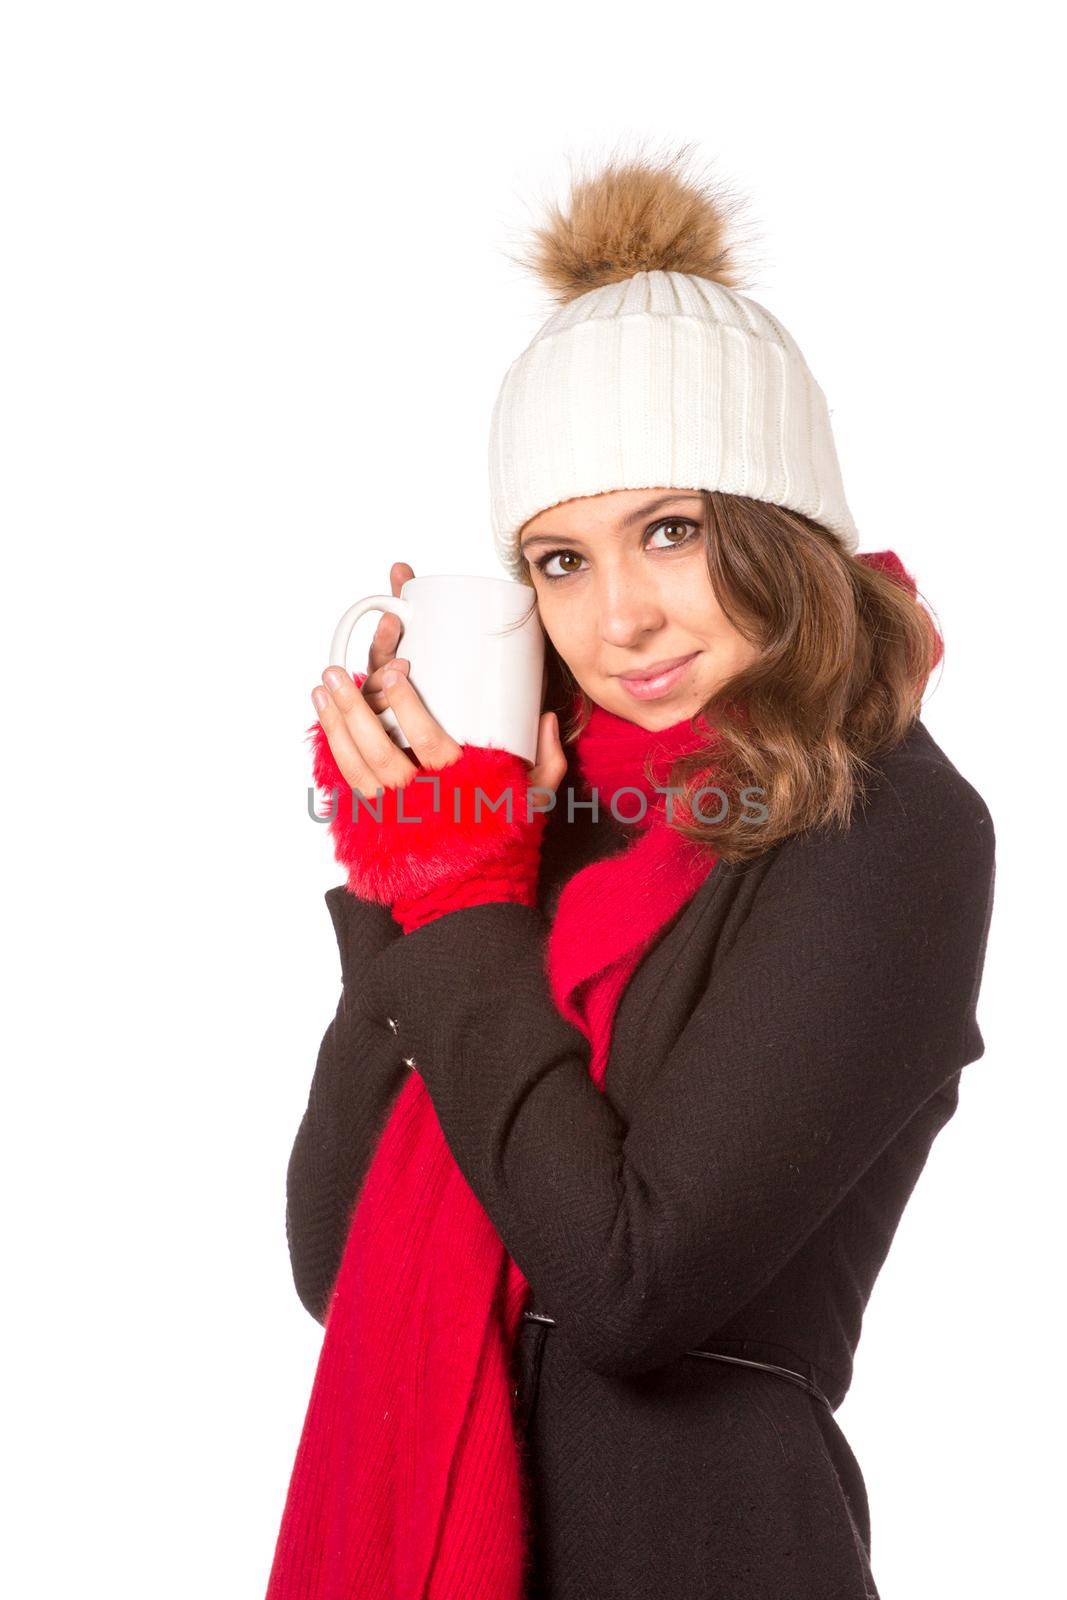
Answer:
(845, 655)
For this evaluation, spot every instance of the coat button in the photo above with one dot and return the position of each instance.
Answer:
(392, 1023)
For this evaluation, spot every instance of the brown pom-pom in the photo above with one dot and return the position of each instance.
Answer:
(638, 214)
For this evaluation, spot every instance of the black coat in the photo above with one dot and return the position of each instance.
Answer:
(781, 1063)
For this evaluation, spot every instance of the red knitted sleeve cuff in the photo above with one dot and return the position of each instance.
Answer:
(514, 880)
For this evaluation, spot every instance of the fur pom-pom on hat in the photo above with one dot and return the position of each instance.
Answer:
(637, 215)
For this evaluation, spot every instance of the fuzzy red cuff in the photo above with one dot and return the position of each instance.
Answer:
(464, 823)
(513, 880)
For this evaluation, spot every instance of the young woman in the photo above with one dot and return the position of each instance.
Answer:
(630, 1081)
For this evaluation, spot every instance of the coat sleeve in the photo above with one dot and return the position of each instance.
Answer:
(358, 1074)
(845, 1001)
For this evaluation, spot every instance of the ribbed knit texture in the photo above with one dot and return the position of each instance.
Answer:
(512, 880)
(663, 379)
(409, 1481)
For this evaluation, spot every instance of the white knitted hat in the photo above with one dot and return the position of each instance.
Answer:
(658, 375)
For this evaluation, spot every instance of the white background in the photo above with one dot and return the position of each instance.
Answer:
(257, 305)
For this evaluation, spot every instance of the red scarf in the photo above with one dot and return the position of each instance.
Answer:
(408, 1482)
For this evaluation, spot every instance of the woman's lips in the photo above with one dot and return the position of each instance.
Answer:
(662, 683)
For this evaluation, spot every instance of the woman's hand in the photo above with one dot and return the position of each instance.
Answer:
(440, 854)
(366, 756)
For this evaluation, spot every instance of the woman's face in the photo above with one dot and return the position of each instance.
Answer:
(622, 587)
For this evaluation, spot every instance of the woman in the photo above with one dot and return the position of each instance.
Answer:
(593, 1273)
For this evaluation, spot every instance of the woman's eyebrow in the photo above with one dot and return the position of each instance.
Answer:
(655, 505)
(633, 516)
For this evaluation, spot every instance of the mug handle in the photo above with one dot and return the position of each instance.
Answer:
(373, 602)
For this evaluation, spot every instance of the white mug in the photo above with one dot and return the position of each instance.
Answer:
(477, 652)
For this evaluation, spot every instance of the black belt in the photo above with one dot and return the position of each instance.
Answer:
(720, 1355)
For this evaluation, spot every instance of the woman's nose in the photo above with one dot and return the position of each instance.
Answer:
(627, 613)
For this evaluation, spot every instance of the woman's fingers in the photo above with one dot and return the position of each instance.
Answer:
(430, 743)
(551, 762)
(350, 763)
(372, 686)
(366, 756)
(399, 573)
(383, 645)
(435, 748)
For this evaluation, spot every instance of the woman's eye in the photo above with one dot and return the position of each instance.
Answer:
(559, 555)
(679, 530)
